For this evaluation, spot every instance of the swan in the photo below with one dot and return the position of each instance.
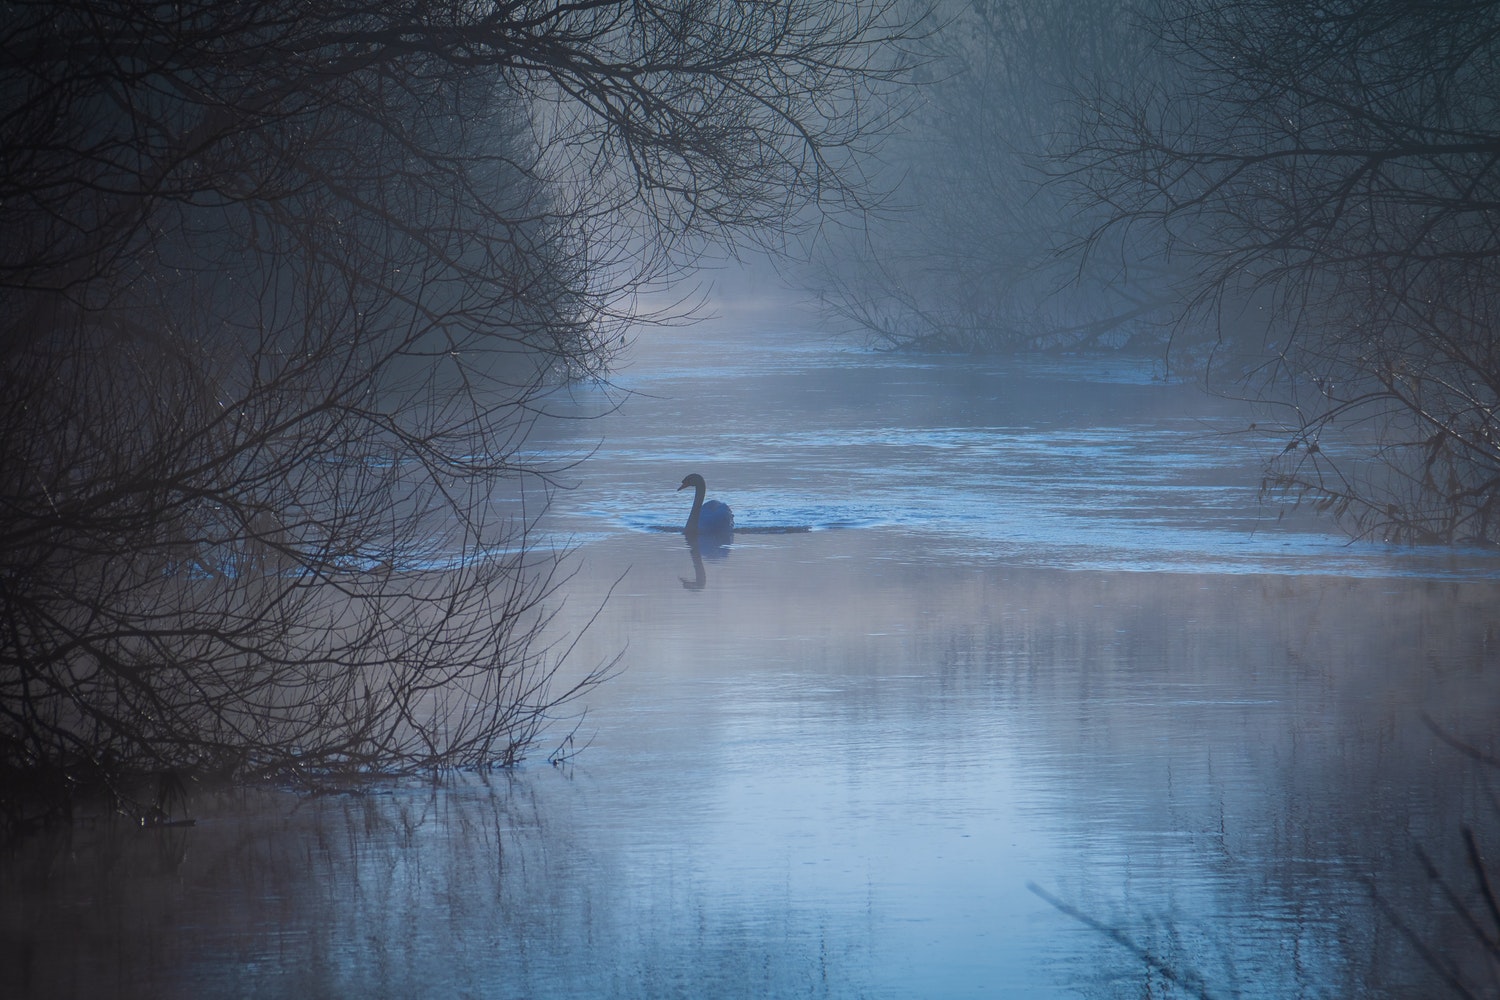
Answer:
(713, 518)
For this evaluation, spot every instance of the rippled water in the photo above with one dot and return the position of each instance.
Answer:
(1095, 464)
(1042, 642)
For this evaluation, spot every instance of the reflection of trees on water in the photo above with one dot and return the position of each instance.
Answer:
(1220, 767)
(407, 891)
(1269, 735)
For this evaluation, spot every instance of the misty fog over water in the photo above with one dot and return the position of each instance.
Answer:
(1081, 463)
(1108, 398)
(1040, 633)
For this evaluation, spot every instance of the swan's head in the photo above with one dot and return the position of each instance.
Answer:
(694, 480)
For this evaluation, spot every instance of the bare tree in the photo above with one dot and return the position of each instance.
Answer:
(283, 288)
(968, 258)
(1325, 177)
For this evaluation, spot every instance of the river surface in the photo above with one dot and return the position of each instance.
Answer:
(1008, 686)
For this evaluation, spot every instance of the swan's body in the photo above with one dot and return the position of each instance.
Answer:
(710, 519)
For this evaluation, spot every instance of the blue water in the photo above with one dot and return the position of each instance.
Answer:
(1040, 632)
(1079, 464)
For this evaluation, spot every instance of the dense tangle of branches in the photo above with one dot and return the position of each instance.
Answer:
(1324, 177)
(282, 290)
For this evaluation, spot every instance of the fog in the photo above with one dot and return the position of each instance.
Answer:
(1104, 393)
(1042, 633)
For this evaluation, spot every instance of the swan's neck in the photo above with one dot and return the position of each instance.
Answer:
(691, 528)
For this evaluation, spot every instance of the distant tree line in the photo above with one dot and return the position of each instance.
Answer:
(284, 285)
(968, 253)
(1297, 199)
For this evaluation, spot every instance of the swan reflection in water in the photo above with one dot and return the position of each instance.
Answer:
(700, 578)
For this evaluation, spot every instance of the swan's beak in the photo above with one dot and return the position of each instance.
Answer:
(682, 487)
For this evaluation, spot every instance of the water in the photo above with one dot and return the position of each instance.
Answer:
(1089, 464)
(1041, 635)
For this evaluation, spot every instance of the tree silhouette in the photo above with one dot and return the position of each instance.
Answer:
(968, 258)
(284, 287)
(1323, 177)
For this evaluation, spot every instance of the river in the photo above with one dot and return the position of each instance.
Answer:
(1009, 685)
